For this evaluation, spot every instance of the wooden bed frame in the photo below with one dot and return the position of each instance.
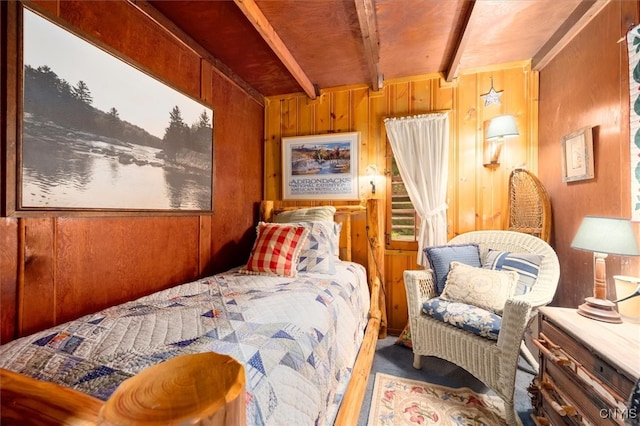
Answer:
(359, 242)
(22, 397)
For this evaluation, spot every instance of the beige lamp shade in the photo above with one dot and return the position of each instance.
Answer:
(499, 128)
(502, 126)
(608, 235)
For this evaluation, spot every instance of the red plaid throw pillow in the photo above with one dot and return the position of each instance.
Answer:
(276, 250)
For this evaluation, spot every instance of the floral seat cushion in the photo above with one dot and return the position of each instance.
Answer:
(466, 317)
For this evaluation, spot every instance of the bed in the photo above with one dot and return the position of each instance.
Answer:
(279, 321)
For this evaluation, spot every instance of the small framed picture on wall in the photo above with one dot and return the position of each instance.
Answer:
(577, 155)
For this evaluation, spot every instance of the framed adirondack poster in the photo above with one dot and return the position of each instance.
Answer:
(320, 167)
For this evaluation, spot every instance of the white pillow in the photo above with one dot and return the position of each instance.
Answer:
(485, 288)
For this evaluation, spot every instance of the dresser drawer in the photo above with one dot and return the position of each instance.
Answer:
(573, 392)
(552, 406)
(588, 369)
(619, 385)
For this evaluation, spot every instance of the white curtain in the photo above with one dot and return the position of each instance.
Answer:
(420, 147)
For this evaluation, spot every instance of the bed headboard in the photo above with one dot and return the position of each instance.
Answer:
(352, 218)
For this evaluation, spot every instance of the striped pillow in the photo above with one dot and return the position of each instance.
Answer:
(527, 265)
(276, 250)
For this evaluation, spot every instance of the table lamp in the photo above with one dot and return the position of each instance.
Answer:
(603, 236)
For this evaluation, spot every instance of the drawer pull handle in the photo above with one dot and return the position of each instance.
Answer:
(556, 407)
(561, 410)
(549, 342)
(541, 344)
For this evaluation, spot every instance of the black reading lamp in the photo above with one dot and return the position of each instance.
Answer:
(603, 236)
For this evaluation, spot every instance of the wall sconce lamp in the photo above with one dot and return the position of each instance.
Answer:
(372, 171)
(603, 236)
(500, 128)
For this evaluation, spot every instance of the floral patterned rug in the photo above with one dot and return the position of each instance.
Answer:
(398, 401)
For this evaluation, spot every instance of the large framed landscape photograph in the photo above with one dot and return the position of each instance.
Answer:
(99, 134)
(322, 167)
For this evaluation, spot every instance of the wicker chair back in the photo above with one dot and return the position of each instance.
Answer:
(529, 205)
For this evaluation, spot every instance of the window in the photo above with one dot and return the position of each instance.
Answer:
(403, 223)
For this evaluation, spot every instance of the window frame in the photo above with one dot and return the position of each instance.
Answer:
(391, 244)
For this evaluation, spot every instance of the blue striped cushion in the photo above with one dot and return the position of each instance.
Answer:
(527, 266)
(440, 257)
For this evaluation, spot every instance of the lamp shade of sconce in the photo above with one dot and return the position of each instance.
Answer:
(372, 171)
(603, 236)
(499, 128)
(502, 126)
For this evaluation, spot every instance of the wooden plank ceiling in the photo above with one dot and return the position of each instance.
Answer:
(276, 47)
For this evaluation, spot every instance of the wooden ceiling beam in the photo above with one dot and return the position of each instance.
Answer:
(268, 33)
(579, 18)
(222, 69)
(454, 66)
(369, 30)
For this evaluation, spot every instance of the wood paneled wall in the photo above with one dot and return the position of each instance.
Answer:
(58, 268)
(587, 85)
(477, 196)
(54, 269)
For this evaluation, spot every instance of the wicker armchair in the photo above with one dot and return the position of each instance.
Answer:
(493, 362)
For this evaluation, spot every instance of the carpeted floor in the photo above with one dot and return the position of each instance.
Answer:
(398, 361)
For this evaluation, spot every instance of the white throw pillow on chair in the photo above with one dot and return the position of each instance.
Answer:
(485, 288)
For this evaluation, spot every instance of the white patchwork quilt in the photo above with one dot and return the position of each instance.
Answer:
(296, 337)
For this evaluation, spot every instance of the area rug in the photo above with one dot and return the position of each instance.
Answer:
(397, 401)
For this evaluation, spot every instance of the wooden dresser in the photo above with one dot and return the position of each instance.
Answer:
(587, 372)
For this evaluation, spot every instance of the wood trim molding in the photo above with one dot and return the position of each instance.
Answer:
(9, 23)
(268, 33)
